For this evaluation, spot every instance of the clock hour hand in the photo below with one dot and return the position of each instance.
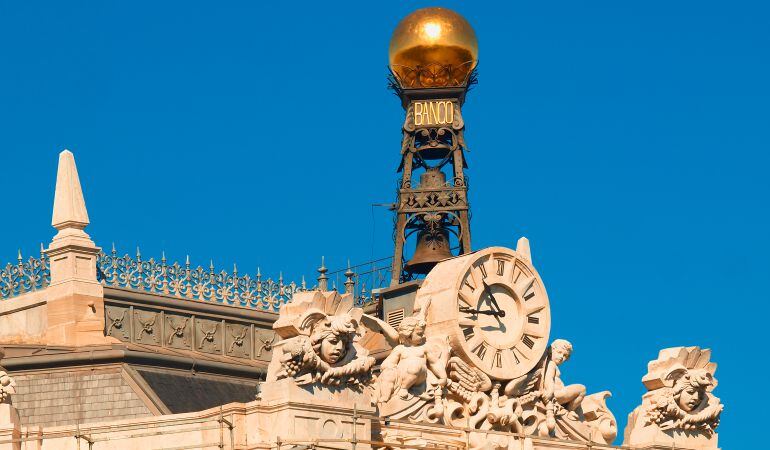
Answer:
(492, 301)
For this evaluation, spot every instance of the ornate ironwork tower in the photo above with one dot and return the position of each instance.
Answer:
(433, 55)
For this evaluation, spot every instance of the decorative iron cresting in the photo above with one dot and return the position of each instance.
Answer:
(184, 281)
(22, 277)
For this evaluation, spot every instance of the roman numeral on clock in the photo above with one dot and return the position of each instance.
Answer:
(497, 361)
(533, 319)
(470, 286)
(481, 350)
(500, 267)
(525, 288)
(528, 341)
(468, 332)
(483, 270)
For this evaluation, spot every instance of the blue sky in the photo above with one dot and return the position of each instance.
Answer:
(628, 140)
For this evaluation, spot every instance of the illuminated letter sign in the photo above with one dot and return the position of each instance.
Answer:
(433, 113)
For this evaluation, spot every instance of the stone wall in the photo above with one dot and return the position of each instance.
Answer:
(76, 396)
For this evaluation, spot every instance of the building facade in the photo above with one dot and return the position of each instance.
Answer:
(451, 350)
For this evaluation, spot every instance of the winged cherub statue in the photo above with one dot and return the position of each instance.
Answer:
(412, 357)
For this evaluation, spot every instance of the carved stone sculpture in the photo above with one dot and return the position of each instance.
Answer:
(678, 407)
(582, 415)
(320, 330)
(415, 370)
(555, 392)
(7, 387)
(485, 362)
(433, 386)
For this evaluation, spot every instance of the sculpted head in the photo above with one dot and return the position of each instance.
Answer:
(561, 350)
(689, 390)
(332, 337)
(412, 331)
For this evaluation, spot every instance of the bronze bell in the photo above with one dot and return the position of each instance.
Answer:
(432, 178)
(432, 247)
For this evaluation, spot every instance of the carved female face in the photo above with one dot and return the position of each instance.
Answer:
(333, 348)
(690, 398)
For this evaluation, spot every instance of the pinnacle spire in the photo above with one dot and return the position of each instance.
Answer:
(522, 247)
(69, 207)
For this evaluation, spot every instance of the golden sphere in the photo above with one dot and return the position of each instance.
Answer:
(433, 47)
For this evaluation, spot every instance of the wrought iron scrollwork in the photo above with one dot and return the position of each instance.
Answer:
(25, 276)
(183, 281)
(180, 280)
(432, 75)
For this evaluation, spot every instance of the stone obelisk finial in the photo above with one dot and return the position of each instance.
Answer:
(70, 217)
(72, 252)
(75, 296)
(69, 207)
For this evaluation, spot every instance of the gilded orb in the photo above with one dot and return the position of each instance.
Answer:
(433, 47)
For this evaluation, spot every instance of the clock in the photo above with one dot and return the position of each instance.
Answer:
(492, 308)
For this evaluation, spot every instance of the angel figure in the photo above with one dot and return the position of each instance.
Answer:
(570, 397)
(542, 394)
(545, 382)
(412, 356)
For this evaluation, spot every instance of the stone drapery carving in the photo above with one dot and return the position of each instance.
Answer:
(678, 407)
(320, 332)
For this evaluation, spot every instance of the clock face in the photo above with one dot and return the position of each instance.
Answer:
(500, 320)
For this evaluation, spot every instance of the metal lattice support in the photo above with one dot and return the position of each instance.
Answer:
(432, 150)
(361, 279)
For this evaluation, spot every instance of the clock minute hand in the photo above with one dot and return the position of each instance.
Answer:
(500, 312)
(476, 311)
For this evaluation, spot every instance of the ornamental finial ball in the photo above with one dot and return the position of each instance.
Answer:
(434, 39)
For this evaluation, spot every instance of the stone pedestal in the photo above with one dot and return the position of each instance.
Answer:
(303, 414)
(75, 314)
(75, 299)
